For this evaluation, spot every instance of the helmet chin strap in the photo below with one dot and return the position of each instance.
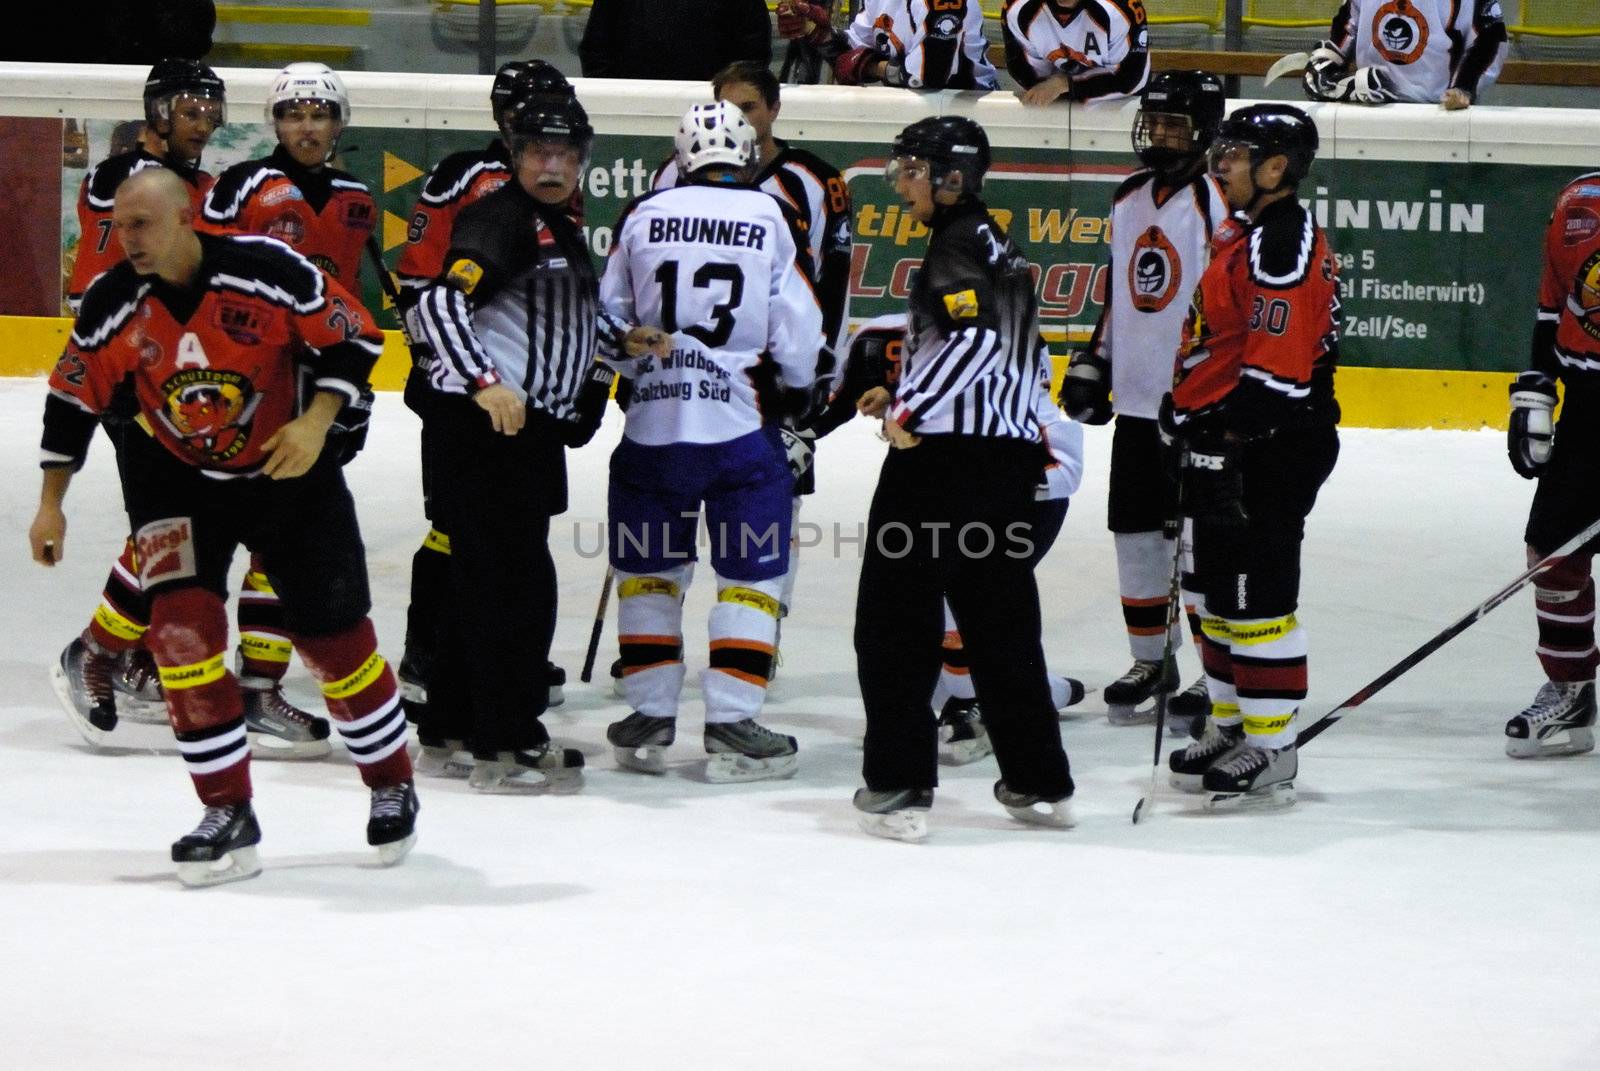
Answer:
(1255, 202)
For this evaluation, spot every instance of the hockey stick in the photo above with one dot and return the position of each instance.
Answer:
(1293, 63)
(386, 282)
(599, 623)
(1174, 599)
(1449, 633)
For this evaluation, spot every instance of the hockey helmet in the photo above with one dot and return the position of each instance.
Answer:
(948, 144)
(1269, 130)
(547, 120)
(171, 78)
(520, 81)
(714, 135)
(308, 82)
(1197, 96)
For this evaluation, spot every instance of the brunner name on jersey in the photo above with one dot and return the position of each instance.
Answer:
(709, 231)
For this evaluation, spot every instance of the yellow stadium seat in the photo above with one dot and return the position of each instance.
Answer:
(1288, 14)
(1557, 18)
(1159, 12)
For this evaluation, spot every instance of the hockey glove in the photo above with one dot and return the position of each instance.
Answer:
(800, 446)
(805, 22)
(1322, 73)
(1532, 432)
(1211, 488)
(590, 408)
(851, 67)
(1086, 390)
(347, 435)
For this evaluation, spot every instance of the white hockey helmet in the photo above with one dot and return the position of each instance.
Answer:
(309, 81)
(712, 135)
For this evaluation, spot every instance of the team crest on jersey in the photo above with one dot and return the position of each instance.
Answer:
(241, 322)
(1400, 32)
(288, 228)
(1586, 296)
(1154, 271)
(210, 409)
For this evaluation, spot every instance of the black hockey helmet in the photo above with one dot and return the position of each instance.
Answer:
(546, 120)
(520, 81)
(1197, 96)
(949, 144)
(1269, 130)
(178, 77)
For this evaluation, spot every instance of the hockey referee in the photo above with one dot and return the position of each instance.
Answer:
(951, 515)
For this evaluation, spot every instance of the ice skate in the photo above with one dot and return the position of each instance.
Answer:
(1188, 765)
(895, 814)
(1252, 777)
(392, 821)
(83, 681)
(641, 742)
(1035, 810)
(546, 768)
(1560, 722)
(1187, 709)
(962, 737)
(413, 683)
(439, 757)
(1071, 696)
(276, 728)
(616, 680)
(556, 677)
(137, 682)
(1130, 699)
(748, 751)
(222, 847)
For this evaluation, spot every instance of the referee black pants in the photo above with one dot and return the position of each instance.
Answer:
(494, 495)
(951, 518)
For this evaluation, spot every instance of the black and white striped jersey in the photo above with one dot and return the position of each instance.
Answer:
(516, 304)
(972, 360)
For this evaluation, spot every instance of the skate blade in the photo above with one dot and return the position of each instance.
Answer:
(1273, 798)
(92, 735)
(963, 752)
(1190, 783)
(271, 748)
(648, 760)
(1122, 714)
(442, 762)
(237, 865)
(557, 697)
(518, 781)
(141, 711)
(396, 850)
(413, 692)
(1575, 741)
(616, 688)
(1056, 815)
(726, 768)
(909, 825)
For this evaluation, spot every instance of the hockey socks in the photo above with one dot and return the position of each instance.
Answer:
(123, 616)
(1144, 571)
(363, 699)
(1563, 600)
(188, 635)
(650, 639)
(743, 630)
(218, 760)
(264, 645)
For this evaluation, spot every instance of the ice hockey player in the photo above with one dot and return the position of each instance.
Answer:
(1254, 416)
(459, 180)
(510, 329)
(713, 263)
(1422, 51)
(1162, 222)
(873, 363)
(956, 490)
(213, 330)
(1079, 50)
(911, 44)
(106, 671)
(1565, 459)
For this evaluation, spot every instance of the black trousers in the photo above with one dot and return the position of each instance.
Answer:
(494, 495)
(952, 518)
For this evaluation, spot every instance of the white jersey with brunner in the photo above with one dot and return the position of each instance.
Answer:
(1159, 249)
(716, 267)
(1418, 43)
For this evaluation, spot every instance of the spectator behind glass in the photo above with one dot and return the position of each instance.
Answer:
(640, 38)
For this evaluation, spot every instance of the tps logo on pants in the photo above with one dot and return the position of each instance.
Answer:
(210, 410)
(1154, 271)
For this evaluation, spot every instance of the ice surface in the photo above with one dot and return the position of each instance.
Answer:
(1424, 906)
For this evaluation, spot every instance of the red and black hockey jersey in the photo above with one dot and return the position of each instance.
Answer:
(1261, 340)
(1566, 338)
(457, 181)
(216, 366)
(324, 215)
(98, 245)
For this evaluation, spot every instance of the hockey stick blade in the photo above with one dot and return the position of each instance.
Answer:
(1293, 63)
(1448, 633)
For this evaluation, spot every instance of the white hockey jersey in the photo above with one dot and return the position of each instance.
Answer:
(1424, 46)
(716, 267)
(940, 43)
(1103, 47)
(1062, 437)
(1159, 249)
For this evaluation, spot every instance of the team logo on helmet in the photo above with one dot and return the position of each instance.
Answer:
(1154, 271)
(1400, 32)
(210, 409)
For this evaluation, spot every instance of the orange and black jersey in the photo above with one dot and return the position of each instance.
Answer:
(1261, 341)
(98, 245)
(217, 366)
(324, 215)
(1566, 336)
(457, 181)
